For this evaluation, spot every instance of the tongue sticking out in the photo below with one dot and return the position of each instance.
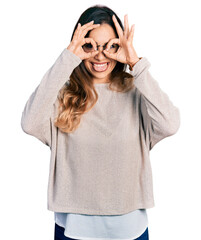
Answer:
(100, 67)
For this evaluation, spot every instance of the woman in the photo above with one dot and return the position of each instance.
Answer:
(100, 123)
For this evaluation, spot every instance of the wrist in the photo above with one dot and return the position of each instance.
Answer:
(132, 64)
(72, 49)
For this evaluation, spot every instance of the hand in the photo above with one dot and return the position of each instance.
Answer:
(126, 52)
(78, 41)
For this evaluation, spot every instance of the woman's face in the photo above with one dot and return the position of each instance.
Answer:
(101, 73)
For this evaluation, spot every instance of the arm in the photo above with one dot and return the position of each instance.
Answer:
(35, 119)
(160, 117)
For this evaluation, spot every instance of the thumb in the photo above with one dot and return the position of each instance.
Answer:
(110, 55)
(90, 54)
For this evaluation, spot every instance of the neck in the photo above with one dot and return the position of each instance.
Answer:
(102, 80)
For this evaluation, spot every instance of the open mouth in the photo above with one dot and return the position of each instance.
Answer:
(100, 67)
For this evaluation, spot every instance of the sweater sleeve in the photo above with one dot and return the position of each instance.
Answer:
(35, 119)
(159, 116)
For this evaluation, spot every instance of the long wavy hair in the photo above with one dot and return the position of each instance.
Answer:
(78, 95)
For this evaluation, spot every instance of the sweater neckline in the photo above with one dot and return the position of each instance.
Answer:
(101, 84)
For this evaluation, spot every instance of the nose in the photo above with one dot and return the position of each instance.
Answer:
(100, 55)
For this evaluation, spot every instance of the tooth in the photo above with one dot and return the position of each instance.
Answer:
(100, 64)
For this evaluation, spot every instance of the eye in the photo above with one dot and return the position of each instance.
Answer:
(114, 46)
(88, 45)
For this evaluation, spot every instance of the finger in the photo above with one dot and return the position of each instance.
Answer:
(89, 28)
(118, 27)
(90, 40)
(87, 25)
(110, 55)
(81, 28)
(77, 31)
(131, 34)
(112, 41)
(126, 26)
(92, 54)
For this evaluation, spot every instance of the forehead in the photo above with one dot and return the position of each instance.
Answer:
(102, 34)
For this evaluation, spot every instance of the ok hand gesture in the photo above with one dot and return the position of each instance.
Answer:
(79, 40)
(126, 52)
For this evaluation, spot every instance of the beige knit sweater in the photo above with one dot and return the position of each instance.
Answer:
(103, 168)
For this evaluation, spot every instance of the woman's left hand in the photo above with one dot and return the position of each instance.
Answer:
(126, 52)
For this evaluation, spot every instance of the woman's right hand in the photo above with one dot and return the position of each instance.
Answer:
(79, 40)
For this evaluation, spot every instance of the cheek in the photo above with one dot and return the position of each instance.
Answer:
(113, 64)
(86, 64)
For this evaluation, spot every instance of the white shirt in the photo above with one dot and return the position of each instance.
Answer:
(87, 227)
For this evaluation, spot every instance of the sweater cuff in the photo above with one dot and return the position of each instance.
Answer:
(140, 66)
(74, 58)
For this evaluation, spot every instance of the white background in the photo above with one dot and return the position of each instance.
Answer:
(33, 34)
